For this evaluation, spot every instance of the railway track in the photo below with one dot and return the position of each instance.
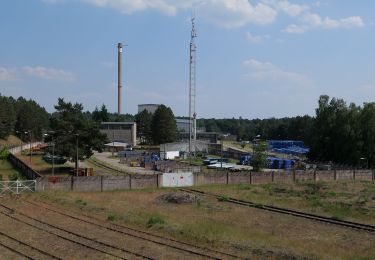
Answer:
(327, 220)
(44, 253)
(143, 235)
(74, 234)
(102, 166)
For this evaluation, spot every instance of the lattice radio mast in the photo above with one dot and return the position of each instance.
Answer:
(192, 90)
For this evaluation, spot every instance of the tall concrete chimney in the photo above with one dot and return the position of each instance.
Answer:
(119, 47)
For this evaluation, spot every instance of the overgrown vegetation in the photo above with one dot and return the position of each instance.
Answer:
(341, 200)
(156, 221)
(245, 231)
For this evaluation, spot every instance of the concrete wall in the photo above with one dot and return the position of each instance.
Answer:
(363, 175)
(139, 181)
(211, 178)
(325, 175)
(54, 183)
(98, 183)
(304, 176)
(261, 177)
(115, 183)
(238, 177)
(344, 174)
(283, 177)
(89, 183)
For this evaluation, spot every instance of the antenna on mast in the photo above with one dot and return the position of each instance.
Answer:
(192, 89)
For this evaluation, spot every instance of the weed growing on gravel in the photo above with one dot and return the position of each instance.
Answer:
(81, 203)
(155, 221)
(111, 217)
(223, 198)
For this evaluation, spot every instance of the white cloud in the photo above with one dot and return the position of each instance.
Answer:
(292, 28)
(315, 21)
(131, 6)
(53, 1)
(7, 74)
(266, 71)
(286, 7)
(225, 13)
(48, 73)
(233, 13)
(255, 38)
(236, 13)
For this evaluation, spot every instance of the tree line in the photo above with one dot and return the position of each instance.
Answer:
(338, 132)
(18, 116)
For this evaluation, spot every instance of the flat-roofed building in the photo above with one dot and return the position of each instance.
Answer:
(184, 124)
(125, 132)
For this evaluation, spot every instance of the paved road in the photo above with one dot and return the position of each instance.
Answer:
(104, 157)
(17, 149)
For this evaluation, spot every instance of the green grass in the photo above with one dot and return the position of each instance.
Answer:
(156, 221)
(342, 200)
(8, 172)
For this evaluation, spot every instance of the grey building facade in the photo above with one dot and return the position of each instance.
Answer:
(125, 132)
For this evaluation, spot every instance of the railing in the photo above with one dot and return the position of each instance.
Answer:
(17, 187)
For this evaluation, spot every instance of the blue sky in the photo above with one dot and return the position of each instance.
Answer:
(256, 59)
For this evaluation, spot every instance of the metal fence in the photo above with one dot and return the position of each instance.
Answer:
(17, 187)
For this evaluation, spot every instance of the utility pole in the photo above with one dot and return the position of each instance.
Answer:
(77, 162)
(119, 78)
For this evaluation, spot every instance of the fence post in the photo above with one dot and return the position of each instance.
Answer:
(354, 175)
(157, 180)
(130, 181)
(294, 175)
(227, 177)
(314, 175)
(334, 174)
(273, 175)
(250, 177)
(101, 183)
(71, 182)
(373, 175)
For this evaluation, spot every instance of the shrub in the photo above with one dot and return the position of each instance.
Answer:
(81, 202)
(155, 220)
(111, 217)
(223, 198)
(4, 154)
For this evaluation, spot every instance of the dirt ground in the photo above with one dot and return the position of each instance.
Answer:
(245, 232)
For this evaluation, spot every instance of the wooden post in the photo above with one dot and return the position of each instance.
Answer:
(354, 175)
(273, 175)
(101, 183)
(334, 174)
(71, 182)
(250, 178)
(294, 175)
(227, 177)
(314, 175)
(130, 181)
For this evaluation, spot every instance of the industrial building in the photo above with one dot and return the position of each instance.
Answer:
(124, 132)
(151, 108)
(184, 124)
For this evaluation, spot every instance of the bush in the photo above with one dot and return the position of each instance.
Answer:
(155, 220)
(111, 217)
(223, 198)
(4, 154)
(15, 176)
